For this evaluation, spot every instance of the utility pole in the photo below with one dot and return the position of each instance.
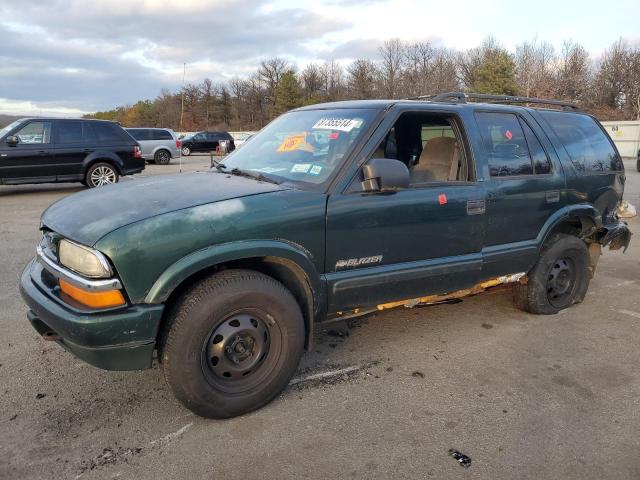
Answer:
(184, 73)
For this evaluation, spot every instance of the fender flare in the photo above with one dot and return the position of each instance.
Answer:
(580, 210)
(208, 257)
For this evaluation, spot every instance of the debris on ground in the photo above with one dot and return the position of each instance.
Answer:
(417, 374)
(462, 459)
(40, 395)
(626, 210)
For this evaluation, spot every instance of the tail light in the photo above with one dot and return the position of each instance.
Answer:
(136, 152)
(178, 143)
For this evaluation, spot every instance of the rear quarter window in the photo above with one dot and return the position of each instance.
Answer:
(161, 135)
(107, 132)
(587, 145)
(140, 133)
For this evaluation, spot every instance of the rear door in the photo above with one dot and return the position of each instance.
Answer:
(526, 186)
(32, 157)
(74, 140)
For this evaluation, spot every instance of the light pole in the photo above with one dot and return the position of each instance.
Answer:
(184, 73)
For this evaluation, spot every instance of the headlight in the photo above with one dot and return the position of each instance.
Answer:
(84, 260)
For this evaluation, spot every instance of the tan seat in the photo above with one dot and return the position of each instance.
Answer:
(438, 161)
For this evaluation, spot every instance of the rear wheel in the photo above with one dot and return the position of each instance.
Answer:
(100, 174)
(559, 279)
(232, 343)
(638, 164)
(162, 157)
(186, 151)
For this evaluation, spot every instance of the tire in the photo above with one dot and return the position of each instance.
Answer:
(101, 173)
(638, 164)
(559, 279)
(186, 151)
(232, 343)
(162, 157)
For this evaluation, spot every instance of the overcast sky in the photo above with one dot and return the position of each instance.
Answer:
(67, 57)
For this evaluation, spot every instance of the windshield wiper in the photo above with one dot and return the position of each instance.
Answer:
(219, 165)
(251, 174)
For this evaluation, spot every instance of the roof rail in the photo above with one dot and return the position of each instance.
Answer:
(460, 97)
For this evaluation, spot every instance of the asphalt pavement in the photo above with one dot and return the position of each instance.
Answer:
(382, 397)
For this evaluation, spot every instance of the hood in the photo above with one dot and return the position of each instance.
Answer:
(89, 215)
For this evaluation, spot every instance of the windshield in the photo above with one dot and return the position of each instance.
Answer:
(305, 146)
(8, 128)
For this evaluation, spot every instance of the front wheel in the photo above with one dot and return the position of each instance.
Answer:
(232, 343)
(100, 174)
(559, 279)
(186, 151)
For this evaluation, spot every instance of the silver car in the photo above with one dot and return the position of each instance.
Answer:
(158, 145)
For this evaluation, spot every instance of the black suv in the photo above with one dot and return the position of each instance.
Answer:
(206, 142)
(94, 152)
(329, 212)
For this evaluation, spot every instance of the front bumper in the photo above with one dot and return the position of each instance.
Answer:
(115, 339)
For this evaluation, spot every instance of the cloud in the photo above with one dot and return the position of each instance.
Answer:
(87, 56)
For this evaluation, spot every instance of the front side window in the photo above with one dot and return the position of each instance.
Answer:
(305, 146)
(588, 147)
(35, 133)
(505, 144)
(429, 146)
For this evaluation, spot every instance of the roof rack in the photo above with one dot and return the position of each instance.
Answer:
(460, 97)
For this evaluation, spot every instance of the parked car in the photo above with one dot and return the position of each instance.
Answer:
(206, 142)
(240, 137)
(158, 145)
(330, 212)
(245, 140)
(94, 152)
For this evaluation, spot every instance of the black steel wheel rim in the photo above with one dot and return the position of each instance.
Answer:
(241, 350)
(561, 282)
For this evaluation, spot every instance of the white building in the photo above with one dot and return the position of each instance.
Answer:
(626, 136)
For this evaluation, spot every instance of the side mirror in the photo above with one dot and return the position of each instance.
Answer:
(12, 141)
(383, 174)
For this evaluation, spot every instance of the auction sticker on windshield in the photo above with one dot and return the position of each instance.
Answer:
(291, 143)
(342, 124)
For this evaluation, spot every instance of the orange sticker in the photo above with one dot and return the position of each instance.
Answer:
(291, 143)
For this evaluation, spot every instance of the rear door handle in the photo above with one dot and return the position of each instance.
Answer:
(476, 207)
(552, 196)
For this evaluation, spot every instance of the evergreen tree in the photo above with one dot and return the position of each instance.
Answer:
(288, 93)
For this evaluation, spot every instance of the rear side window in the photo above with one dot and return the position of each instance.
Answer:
(140, 133)
(588, 147)
(505, 144)
(541, 163)
(107, 132)
(69, 131)
(160, 135)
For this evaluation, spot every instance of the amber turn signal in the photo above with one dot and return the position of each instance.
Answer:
(106, 299)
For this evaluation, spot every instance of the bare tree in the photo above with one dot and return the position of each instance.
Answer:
(392, 55)
(361, 79)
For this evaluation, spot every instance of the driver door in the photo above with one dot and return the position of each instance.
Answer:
(32, 157)
(425, 239)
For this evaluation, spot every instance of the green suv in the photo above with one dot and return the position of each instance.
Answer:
(331, 211)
